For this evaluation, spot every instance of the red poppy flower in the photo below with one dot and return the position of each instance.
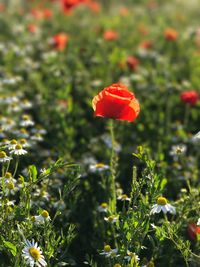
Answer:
(60, 40)
(124, 11)
(32, 28)
(132, 62)
(170, 34)
(193, 230)
(37, 13)
(116, 102)
(2, 7)
(94, 7)
(47, 13)
(67, 5)
(145, 44)
(110, 35)
(189, 97)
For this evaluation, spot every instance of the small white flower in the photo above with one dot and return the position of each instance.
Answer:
(25, 104)
(18, 150)
(198, 222)
(178, 150)
(103, 207)
(99, 167)
(43, 217)
(8, 203)
(26, 121)
(23, 142)
(11, 189)
(12, 144)
(8, 178)
(131, 256)
(163, 206)
(22, 133)
(124, 197)
(4, 157)
(111, 219)
(37, 137)
(108, 252)
(33, 254)
(196, 137)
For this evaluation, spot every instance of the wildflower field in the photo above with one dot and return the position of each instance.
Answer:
(100, 133)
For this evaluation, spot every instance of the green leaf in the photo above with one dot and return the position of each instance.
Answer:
(11, 247)
(33, 173)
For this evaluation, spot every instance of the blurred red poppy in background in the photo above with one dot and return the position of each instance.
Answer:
(132, 62)
(193, 230)
(146, 44)
(116, 102)
(189, 97)
(170, 34)
(32, 28)
(60, 41)
(110, 35)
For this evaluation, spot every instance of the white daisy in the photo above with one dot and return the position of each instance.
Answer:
(18, 150)
(22, 133)
(163, 206)
(131, 256)
(99, 167)
(198, 222)
(37, 137)
(109, 252)
(32, 253)
(124, 197)
(4, 157)
(12, 144)
(178, 150)
(111, 219)
(8, 178)
(196, 137)
(23, 142)
(11, 189)
(25, 104)
(103, 207)
(43, 217)
(26, 121)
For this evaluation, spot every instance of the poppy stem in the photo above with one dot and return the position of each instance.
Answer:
(187, 114)
(113, 164)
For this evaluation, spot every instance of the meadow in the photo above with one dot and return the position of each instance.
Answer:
(100, 133)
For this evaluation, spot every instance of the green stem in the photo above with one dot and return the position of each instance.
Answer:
(16, 166)
(187, 114)
(113, 163)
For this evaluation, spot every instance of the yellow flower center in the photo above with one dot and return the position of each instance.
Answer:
(45, 214)
(35, 253)
(33, 219)
(26, 117)
(107, 248)
(23, 131)
(104, 205)
(124, 197)
(2, 154)
(10, 186)
(22, 141)
(179, 150)
(117, 265)
(8, 175)
(162, 201)
(18, 147)
(13, 142)
(111, 218)
(150, 264)
(100, 165)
